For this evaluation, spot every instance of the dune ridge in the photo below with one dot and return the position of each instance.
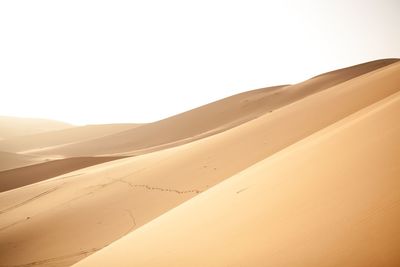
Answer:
(230, 112)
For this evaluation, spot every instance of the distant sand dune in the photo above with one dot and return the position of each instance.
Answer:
(18, 177)
(61, 137)
(13, 126)
(264, 178)
(12, 160)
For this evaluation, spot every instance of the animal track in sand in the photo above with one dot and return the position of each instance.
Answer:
(148, 187)
(29, 200)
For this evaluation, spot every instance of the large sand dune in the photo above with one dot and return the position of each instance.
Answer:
(332, 199)
(212, 118)
(316, 134)
(185, 127)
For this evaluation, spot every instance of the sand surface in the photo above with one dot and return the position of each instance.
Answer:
(257, 179)
(13, 160)
(325, 201)
(19, 177)
(42, 141)
(21, 151)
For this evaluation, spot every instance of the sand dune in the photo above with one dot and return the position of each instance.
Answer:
(13, 126)
(28, 145)
(332, 199)
(11, 179)
(61, 137)
(102, 203)
(12, 160)
(188, 126)
(212, 118)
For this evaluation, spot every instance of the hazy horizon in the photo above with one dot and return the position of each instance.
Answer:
(90, 62)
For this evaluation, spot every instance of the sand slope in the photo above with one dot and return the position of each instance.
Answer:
(212, 118)
(13, 126)
(332, 199)
(61, 137)
(12, 160)
(185, 127)
(11, 179)
(164, 179)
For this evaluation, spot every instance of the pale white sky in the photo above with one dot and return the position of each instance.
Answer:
(139, 61)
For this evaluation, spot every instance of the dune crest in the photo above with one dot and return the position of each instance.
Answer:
(212, 118)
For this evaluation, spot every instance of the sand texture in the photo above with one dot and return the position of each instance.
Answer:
(294, 175)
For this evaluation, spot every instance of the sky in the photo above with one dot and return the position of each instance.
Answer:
(87, 62)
